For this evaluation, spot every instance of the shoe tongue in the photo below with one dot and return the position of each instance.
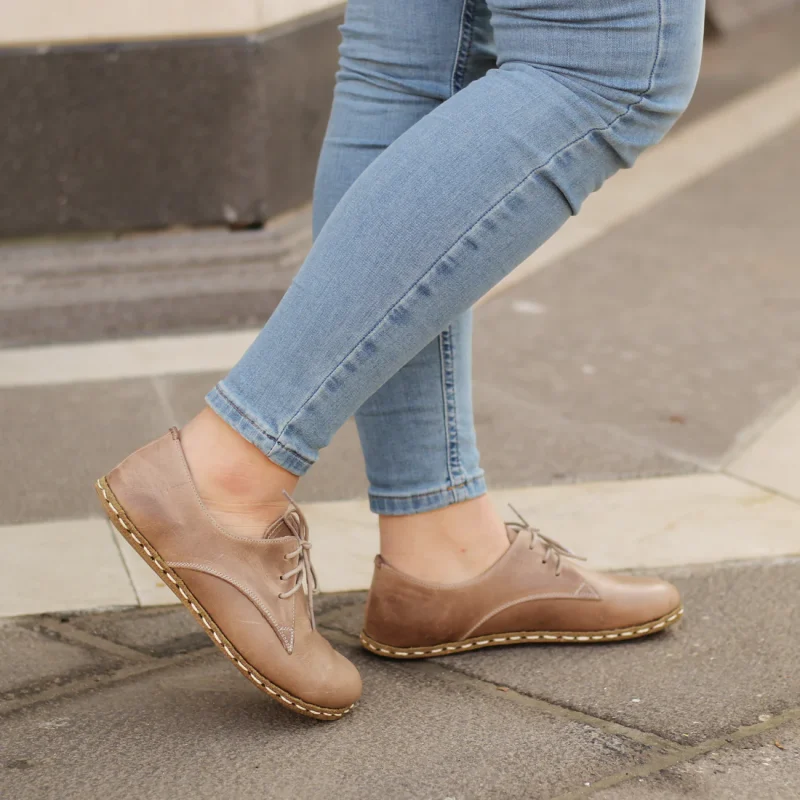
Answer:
(278, 529)
(512, 533)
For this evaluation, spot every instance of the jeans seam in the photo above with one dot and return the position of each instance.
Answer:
(383, 320)
(463, 46)
(451, 486)
(255, 424)
(455, 470)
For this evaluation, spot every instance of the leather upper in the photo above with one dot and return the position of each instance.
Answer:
(237, 579)
(520, 592)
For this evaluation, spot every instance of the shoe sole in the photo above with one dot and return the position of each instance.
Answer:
(524, 637)
(122, 522)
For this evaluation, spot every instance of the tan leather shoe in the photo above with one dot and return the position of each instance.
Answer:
(251, 596)
(533, 594)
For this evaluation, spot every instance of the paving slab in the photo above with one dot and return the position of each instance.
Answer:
(158, 632)
(766, 767)
(523, 443)
(743, 59)
(61, 566)
(57, 440)
(200, 731)
(679, 326)
(733, 658)
(773, 459)
(31, 661)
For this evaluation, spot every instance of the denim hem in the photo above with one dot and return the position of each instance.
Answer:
(428, 501)
(268, 444)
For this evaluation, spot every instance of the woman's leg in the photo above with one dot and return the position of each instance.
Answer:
(455, 203)
(417, 431)
(441, 215)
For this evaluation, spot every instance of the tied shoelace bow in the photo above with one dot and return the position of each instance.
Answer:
(304, 571)
(551, 546)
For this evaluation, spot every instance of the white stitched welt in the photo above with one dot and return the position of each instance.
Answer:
(564, 637)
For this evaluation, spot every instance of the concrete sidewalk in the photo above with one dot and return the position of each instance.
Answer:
(637, 392)
(138, 705)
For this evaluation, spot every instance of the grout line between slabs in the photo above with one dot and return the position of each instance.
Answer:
(129, 672)
(752, 434)
(117, 546)
(66, 632)
(761, 487)
(501, 692)
(683, 756)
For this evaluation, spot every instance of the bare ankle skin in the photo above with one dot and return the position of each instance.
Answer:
(241, 488)
(448, 545)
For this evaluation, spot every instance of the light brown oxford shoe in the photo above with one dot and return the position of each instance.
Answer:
(533, 594)
(251, 596)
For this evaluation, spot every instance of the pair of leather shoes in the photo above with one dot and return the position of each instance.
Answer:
(253, 596)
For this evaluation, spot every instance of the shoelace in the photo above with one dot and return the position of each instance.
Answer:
(551, 546)
(304, 571)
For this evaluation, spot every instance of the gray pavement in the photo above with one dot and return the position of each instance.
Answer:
(138, 704)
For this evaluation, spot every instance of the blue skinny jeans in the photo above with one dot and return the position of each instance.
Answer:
(463, 134)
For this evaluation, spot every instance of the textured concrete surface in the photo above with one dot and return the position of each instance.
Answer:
(766, 767)
(61, 566)
(57, 440)
(32, 660)
(689, 297)
(695, 681)
(134, 703)
(160, 632)
(136, 285)
(201, 731)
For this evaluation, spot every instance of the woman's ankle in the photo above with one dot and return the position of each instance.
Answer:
(447, 545)
(241, 488)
